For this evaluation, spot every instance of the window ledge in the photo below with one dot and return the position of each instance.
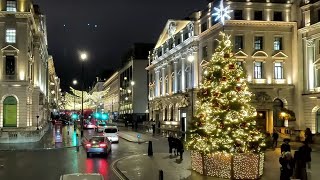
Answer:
(259, 81)
(279, 81)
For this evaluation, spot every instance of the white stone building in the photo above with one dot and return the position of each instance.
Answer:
(23, 71)
(265, 38)
(111, 99)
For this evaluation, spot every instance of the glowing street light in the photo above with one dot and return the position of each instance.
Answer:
(190, 58)
(132, 83)
(75, 82)
(83, 56)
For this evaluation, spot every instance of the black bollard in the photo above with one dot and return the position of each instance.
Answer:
(160, 175)
(150, 151)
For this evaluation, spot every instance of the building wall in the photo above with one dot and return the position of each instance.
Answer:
(140, 87)
(29, 83)
(111, 100)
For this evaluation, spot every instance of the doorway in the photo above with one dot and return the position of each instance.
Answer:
(10, 112)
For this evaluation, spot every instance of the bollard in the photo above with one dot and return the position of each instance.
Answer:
(160, 175)
(77, 144)
(150, 151)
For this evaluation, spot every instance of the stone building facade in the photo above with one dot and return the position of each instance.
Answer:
(24, 67)
(266, 44)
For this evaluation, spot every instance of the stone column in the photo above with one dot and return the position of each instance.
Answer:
(157, 85)
(183, 75)
(170, 78)
(195, 72)
(175, 66)
(310, 59)
(163, 81)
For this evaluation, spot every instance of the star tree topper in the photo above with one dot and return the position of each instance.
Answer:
(222, 13)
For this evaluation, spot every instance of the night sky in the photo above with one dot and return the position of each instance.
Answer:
(105, 29)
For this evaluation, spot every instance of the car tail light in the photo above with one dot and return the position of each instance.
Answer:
(88, 145)
(102, 145)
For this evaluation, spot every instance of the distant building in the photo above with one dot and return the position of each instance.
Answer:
(133, 102)
(54, 93)
(23, 71)
(111, 99)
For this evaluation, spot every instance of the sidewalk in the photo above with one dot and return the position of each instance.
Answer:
(132, 136)
(139, 167)
(47, 141)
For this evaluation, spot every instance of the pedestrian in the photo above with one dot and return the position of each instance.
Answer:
(285, 147)
(308, 135)
(275, 137)
(180, 148)
(300, 166)
(306, 150)
(170, 141)
(153, 128)
(287, 166)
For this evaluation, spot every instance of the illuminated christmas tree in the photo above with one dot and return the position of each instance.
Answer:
(225, 120)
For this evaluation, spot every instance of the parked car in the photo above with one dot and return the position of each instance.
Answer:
(82, 176)
(98, 145)
(111, 132)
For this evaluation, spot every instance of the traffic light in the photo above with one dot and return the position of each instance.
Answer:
(74, 116)
(97, 115)
(105, 116)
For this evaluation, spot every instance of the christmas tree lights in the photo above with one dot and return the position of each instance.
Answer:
(225, 120)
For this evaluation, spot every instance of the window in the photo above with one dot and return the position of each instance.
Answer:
(185, 35)
(238, 15)
(318, 15)
(277, 44)
(215, 44)
(178, 40)
(167, 84)
(277, 16)
(240, 64)
(161, 86)
(170, 44)
(179, 81)
(11, 6)
(238, 42)
(10, 65)
(204, 26)
(11, 36)
(278, 70)
(258, 70)
(258, 42)
(187, 77)
(172, 82)
(258, 15)
(204, 52)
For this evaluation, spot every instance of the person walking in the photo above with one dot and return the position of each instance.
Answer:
(275, 137)
(180, 148)
(285, 147)
(287, 166)
(308, 135)
(300, 166)
(306, 150)
(170, 142)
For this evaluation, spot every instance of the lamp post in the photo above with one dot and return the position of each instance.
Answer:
(83, 57)
(37, 122)
(74, 82)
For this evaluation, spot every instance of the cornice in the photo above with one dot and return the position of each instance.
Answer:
(230, 23)
(309, 28)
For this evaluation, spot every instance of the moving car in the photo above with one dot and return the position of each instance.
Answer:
(101, 126)
(111, 132)
(98, 145)
(89, 124)
(82, 176)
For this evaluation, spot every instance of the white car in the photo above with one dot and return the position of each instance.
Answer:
(101, 127)
(111, 132)
(82, 176)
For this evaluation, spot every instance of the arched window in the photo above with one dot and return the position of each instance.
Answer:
(179, 81)
(188, 77)
(172, 82)
(277, 108)
(161, 86)
(171, 113)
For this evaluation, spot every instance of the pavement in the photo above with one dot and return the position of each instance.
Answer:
(141, 166)
(47, 142)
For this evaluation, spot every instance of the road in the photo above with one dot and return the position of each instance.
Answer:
(50, 164)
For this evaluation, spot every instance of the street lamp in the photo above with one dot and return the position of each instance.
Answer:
(83, 57)
(74, 82)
